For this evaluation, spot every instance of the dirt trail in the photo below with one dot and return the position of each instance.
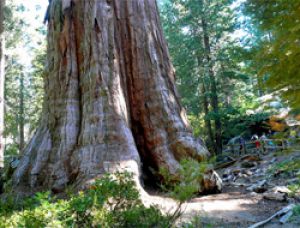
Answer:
(236, 206)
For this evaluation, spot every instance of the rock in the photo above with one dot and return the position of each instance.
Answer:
(225, 175)
(257, 171)
(281, 189)
(260, 187)
(277, 196)
(238, 184)
(236, 171)
(247, 172)
(278, 193)
(228, 178)
(248, 164)
(211, 183)
(253, 194)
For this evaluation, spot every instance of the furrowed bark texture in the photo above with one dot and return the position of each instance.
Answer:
(110, 99)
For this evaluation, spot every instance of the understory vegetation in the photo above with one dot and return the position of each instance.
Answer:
(112, 201)
(287, 169)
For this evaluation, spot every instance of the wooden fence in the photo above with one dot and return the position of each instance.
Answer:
(262, 146)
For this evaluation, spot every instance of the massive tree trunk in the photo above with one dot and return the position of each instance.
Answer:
(2, 78)
(110, 99)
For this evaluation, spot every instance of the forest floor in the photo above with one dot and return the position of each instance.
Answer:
(255, 188)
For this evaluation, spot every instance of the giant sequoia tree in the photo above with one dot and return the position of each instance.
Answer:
(110, 100)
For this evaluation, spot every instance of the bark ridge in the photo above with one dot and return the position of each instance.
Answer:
(110, 97)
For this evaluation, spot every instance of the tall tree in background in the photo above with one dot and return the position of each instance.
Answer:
(208, 63)
(23, 84)
(2, 78)
(110, 98)
(209, 70)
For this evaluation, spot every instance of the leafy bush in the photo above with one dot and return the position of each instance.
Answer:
(112, 201)
(296, 210)
(186, 184)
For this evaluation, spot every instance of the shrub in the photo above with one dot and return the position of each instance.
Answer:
(112, 201)
(185, 185)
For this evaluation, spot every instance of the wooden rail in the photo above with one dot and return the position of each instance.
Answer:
(265, 146)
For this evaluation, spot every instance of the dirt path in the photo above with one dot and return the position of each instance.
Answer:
(230, 209)
(236, 206)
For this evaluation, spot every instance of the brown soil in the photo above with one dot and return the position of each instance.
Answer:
(235, 206)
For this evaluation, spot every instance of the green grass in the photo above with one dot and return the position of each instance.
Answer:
(286, 166)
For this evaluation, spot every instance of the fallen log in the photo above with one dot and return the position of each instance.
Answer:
(283, 211)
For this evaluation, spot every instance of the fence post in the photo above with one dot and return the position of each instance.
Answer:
(232, 149)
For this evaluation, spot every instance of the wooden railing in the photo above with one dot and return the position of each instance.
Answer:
(265, 146)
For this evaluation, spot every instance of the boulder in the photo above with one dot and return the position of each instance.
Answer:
(248, 164)
(211, 183)
(259, 187)
(277, 196)
(278, 193)
(281, 189)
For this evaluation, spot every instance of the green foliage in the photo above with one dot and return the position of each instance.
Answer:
(277, 49)
(296, 210)
(242, 124)
(286, 166)
(295, 188)
(198, 222)
(112, 201)
(236, 123)
(188, 181)
(23, 78)
(185, 184)
(182, 23)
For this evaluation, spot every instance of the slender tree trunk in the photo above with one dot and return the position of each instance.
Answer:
(21, 115)
(110, 101)
(206, 120)
(205, 102)
(226, 88)
(214, 95)
(2, 79)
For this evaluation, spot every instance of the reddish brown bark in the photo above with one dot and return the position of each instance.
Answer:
(110, 100)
